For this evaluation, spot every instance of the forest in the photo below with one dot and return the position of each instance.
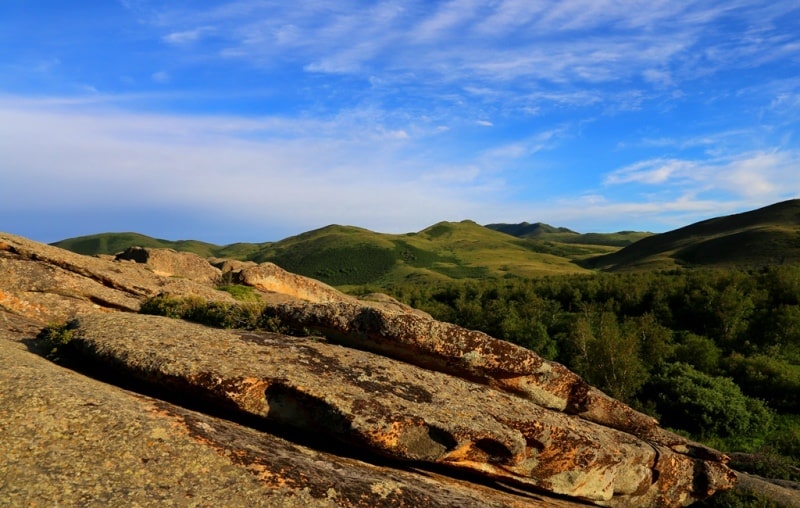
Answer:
(712, 353)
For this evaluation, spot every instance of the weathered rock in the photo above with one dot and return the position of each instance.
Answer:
(399, 410)
(476, 356)
(51, 284)
(68, 440)
(171, 263)
(271, 278)
(231, 265)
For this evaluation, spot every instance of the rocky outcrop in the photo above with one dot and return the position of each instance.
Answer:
(69, 440)
(384, 406)
(171, 263)
(473, 355)
(51, 284)
(230, 265)
(397, 410)
(270, 278)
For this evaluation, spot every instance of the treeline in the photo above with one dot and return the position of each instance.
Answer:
(712, 353)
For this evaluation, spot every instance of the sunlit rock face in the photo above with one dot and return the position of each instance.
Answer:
(366, 403)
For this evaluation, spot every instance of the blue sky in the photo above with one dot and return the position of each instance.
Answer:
(254, 120)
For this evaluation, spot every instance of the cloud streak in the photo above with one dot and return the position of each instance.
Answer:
(493, 43)
(755, 177)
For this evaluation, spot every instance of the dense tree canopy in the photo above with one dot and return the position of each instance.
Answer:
(714, 353)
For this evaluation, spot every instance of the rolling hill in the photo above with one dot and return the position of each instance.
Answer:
(769, 235)
(352, 256)
(112, 243)
(347, 255)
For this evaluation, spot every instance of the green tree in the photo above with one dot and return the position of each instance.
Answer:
(705, 405)
(698, 351)
(655, 340)
(768, 377)
(606, 355)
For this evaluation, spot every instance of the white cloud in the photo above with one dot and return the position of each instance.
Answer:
(161, 77)
(652, 172)
(188, 36)
(306, 173)
(499, 155)
(754, 177)
(274, 169)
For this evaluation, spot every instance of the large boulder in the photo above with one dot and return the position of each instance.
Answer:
(70, 440)
(473, 355)
(271, 278)
(397, 410)
(171, 263)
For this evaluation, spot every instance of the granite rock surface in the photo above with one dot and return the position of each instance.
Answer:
(380, 406)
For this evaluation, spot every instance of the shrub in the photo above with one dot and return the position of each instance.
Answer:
(55, 338)
(250, 315)
(174, 307)
(705, 405)
(737, 499)
(240, 292)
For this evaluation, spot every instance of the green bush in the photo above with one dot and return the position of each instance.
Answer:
(706, 406)
(173, 306)
(767, 376)
(250, 315)
(240, 292)
(737, 499)
(55, 338)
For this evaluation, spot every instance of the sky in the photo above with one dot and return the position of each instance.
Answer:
(254, 120)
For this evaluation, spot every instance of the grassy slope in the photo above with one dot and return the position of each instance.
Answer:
(344, 255)
(347, 256)
(769, 235)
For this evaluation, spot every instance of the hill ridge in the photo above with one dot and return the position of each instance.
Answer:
(766, 235)
(343, 255)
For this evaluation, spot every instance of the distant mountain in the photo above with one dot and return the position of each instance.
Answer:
(542, 231)
(528, 230)
(769, 235)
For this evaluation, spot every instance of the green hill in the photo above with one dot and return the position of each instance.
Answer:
(769, 235)
(112, 243)
(528, 230)
(350, 256)
(346, 255)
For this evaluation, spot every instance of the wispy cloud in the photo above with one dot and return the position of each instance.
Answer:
(493, 43)
(752, 176)
(188, 36)
(304, 173)
(393, 112)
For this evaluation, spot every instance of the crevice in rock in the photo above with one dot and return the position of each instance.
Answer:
(110, 305)
(179, 393)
